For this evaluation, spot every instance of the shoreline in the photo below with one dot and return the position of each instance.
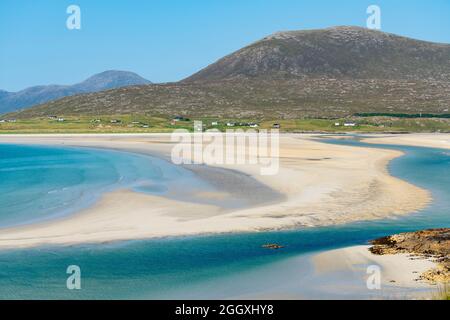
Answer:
(428, 244)
(325, 274)
(321, 185)
(399, 274)
(427, 140)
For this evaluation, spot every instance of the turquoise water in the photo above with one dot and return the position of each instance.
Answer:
(38, 183)
(164, 268)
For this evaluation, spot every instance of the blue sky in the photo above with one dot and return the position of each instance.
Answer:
(167, 40)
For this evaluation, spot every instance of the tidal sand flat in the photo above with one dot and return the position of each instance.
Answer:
(431, 140)
(320, 184)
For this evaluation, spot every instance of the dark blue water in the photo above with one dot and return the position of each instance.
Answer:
(157, 268)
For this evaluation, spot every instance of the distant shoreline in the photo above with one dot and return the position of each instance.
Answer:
(441, 141)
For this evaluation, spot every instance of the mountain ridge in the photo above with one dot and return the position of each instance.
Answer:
(333, 72)
(35, 95)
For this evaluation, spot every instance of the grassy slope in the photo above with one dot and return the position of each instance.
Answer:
(86, 124)
(264, 99)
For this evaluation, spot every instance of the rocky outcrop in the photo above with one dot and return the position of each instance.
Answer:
(432, 244)
(272, 246)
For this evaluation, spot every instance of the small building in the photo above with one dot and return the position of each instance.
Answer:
(214, 123)
(145, 126)
(230, 124)
(2, 121)
(276, 126)
(253, 125)
(349, 124)
(61, 119)
(115, 121)
(337, 124)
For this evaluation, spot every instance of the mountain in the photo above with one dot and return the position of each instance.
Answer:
(4, 93)
(339, 52)
(333, 72)
(110, 80)
(11, 101)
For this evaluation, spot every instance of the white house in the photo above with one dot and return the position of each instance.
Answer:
(349, 124)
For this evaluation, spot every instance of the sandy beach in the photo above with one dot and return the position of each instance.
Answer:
(333, 274)
(320, 184)
(399, 273)
(430, 140)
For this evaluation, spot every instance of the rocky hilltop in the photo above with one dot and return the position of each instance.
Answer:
(339, 52)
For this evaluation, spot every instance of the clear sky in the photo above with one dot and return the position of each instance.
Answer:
(167, 40)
